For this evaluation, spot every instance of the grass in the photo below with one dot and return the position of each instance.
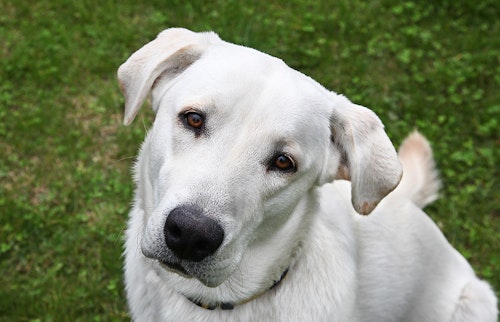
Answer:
(64, 165)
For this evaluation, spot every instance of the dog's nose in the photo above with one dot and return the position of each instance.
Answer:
(191, 235)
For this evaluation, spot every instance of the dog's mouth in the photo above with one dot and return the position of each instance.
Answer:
(187, 269)
(176, 268)
(190, 273)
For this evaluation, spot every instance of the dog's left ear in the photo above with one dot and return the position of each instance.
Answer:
(167, 56)
(362, 153)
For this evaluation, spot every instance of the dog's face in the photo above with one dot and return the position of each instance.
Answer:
(238, 144)
(239, 140)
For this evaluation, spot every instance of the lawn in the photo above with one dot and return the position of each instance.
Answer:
(65, 184)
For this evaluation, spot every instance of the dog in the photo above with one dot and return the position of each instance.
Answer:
(262, 196)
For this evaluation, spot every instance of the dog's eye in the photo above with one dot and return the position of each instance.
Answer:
(194, 120)
(283, 163)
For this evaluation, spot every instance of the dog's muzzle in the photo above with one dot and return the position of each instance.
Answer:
(191, 235)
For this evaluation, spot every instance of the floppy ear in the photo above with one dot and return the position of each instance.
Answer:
(167, 56)
(364, 154)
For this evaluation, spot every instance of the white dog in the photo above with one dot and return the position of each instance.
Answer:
(237, 216)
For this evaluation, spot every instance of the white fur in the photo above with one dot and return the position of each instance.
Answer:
(421, 183)
(393, 265)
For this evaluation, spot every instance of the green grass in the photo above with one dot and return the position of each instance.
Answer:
(65, 186)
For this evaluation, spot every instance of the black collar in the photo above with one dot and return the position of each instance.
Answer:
(231, 305)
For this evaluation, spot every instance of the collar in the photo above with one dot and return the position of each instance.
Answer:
(231, 305)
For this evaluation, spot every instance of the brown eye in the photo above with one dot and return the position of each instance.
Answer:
(283, 163)
(194, 120)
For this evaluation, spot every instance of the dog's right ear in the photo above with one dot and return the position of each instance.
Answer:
(167, 56)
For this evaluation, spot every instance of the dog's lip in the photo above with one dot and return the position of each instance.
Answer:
(175, 267)
(181, 271)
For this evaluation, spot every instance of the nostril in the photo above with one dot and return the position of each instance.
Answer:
(192, 235)
(174, 231)
(202, 246)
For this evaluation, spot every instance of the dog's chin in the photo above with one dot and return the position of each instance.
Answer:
(182, 272)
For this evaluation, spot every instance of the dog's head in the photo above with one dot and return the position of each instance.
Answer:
(239, 142)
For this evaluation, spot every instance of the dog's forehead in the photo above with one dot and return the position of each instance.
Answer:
(250, 95)
(256, 71)
(252, 85)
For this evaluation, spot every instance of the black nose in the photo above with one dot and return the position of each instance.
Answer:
(191, 235)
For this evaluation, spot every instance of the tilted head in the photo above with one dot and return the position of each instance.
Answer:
(239, 143)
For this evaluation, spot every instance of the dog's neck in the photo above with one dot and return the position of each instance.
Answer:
(231, 305)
